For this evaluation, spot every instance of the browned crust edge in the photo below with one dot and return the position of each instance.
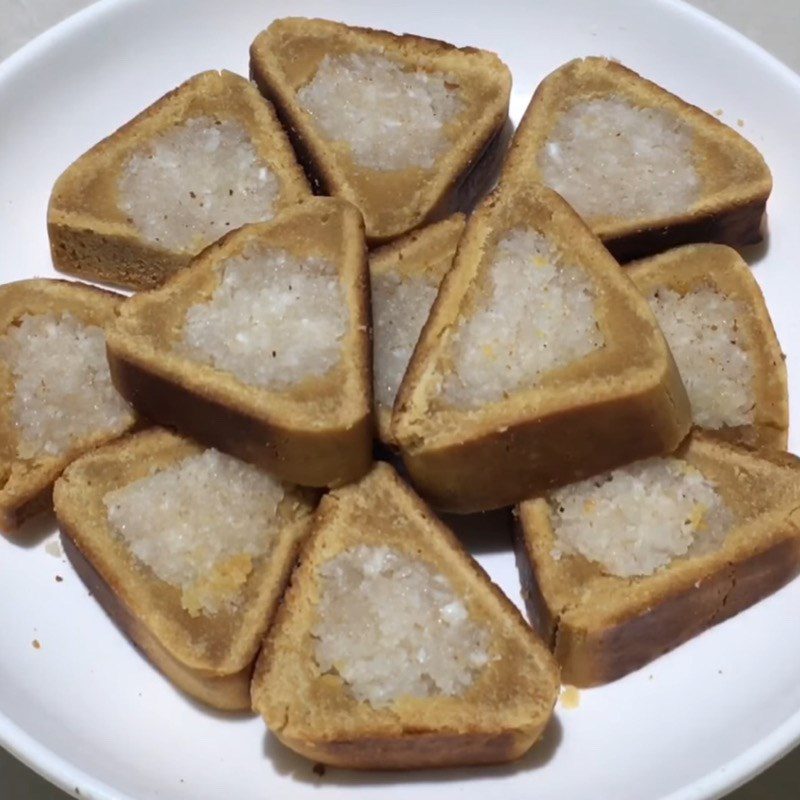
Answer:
(386, 443)
(417, 750)
(591, 658)
(304, 457)
(541, 618)
(38, 501)
(600, 436)
(120, 261)
(224, 692)
(736, 227)
(472, 185)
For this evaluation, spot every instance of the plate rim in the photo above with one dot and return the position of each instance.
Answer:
(77, 782)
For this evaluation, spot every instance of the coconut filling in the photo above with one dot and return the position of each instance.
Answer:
(274, 320)
(710, 348)
(191, 184)
(390, 118)
(637, 519)
(400, 308)
(609, 158)
(537, 316)
(199, 525)
(392, 626)
(62, 393)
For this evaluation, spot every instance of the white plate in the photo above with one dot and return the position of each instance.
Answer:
(90, 714)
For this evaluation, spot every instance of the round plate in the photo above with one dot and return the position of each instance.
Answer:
(90, 714)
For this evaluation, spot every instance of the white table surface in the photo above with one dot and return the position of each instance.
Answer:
(774, 24)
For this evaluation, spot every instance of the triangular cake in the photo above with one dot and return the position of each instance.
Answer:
(540, 363)
(621, 569)
(261, 346)
(393, 649)
(188, 550)
(206, 158)
(405, 278)
(645, 169)
(407, 129)
(56, 396)
(716, 323)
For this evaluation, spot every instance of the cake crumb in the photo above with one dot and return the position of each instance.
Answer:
(740, 122)
(37, 645)
(570, 698)
(719, 112)
(59, 579)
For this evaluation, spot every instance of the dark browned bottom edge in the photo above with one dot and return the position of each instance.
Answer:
(539, 614)
(304, 457)
(417, 751)
(89, 255)
(738, 227)
(592, 658)
(478, 179)
(224, 692)
(13, 516)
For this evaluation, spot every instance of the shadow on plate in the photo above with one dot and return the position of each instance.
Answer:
(753, 254)
(288, 763)
(33, 531)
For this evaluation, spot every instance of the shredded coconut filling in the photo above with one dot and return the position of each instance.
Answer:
(274, 319)
(62, 386)
(390, 118)
(400, 308)
(539, 316)
(710, 349)
(199, 525)
(609, 158)
(391, 626)
(637, 519)
(193, 183)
